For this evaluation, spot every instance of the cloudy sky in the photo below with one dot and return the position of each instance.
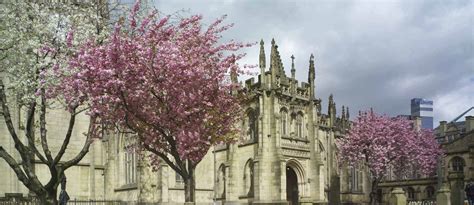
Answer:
(376, 54)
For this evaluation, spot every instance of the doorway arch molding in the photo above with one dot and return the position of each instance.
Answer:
(300, 175)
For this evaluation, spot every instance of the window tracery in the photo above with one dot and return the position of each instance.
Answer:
(457, 164)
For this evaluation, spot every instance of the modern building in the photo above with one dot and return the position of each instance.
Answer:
(423, 108)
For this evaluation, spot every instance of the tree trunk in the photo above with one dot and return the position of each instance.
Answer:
(373, 192)
(48, 198)
(189, 186)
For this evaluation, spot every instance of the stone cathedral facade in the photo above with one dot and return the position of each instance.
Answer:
(287, 151)
(286, 154)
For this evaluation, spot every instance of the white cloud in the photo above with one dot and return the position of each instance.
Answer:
(452, 104)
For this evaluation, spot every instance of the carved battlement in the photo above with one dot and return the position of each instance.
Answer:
(275, 78)
(286, 86)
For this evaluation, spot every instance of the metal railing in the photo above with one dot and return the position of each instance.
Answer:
(94, 202)
(18, 200)
(35, 201)
(421, 202)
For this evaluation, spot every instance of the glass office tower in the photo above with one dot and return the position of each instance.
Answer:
(423, 108)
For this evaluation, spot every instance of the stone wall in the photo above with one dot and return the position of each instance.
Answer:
(85, 181)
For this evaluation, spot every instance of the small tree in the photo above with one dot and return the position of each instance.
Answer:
(385, 144)
(165, 81)
(35, 37)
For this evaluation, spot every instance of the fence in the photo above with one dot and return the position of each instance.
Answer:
(18, 199)
(94, 202)
(422, 202)
(35, 201)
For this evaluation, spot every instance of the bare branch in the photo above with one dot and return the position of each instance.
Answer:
(72, 120)
(80, 111)
(16, 168)
(8, 121)
(85, 148)
(44, 140)
(22, 149)
(30, 134)
(166, 159)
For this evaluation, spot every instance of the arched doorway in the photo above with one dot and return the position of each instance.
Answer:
(291, 186)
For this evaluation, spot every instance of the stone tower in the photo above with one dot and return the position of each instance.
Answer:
(287, 148)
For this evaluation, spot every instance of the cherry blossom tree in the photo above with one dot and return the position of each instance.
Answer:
(166, 80)
(384, 144)
(35, 37)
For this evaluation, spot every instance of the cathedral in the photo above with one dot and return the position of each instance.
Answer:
(286, 154)
(287, 151)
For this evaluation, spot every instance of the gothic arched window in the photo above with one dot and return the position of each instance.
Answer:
(457, 164)
(350, 178)
(220, 182)
(410, 193)
(248, 179)
(355, 179)
(299, 125)
(360, 175)
(250, 126)
(130, 167)
(430, 192)
(129, 157)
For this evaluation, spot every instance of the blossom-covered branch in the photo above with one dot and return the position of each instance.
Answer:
(163, 80)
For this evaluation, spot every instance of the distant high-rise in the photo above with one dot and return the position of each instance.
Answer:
(423, 108)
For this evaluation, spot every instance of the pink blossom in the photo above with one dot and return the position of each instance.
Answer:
(69, 37)
(382, 144)
(162, 80)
